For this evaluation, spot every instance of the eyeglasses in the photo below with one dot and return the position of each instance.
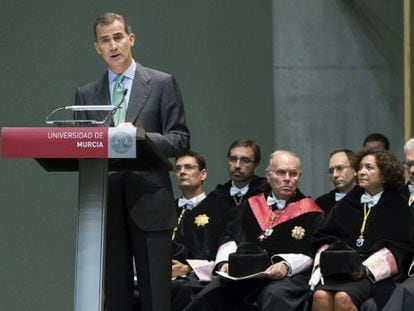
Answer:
(338, 168)
(408, 164)
(187, 167)
(282, 173)
(242, 160)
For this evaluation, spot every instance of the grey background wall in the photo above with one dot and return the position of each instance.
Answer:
(220, 53)
(309, 76)
(337, 74)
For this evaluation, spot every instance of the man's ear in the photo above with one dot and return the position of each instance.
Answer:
(203, 174)
(267, 174)
(97, 49)
(132, 38)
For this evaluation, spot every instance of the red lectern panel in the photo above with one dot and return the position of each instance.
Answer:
(92, 151)
(59, 148)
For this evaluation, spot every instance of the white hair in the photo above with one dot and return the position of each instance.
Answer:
(282, 152)
(409, 145)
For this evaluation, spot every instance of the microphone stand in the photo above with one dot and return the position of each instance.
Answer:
(69, 123)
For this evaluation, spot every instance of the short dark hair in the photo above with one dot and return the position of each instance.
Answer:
(378, 137)
(199, 158)
(349, 154)
(247, 143)
(107, 19)
(391, 169)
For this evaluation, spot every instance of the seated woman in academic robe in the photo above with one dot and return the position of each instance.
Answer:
(372, 221)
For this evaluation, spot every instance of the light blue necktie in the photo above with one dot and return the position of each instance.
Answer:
(118, 100)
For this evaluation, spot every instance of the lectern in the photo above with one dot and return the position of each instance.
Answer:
(93, 151)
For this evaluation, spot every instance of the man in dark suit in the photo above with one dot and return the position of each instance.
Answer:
(141, 211)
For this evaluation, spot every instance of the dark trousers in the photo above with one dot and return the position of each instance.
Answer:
(152, 254)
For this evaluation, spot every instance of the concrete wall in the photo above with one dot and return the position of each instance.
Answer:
(337, 69)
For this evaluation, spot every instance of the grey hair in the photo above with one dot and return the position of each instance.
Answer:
(281, 152)
(409, 145)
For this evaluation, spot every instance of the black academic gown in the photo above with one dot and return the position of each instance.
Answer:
(327, 201)
(200, 231)
(264, 294)
(402, 298)
(222, 191)
(281, 240)
(389, 225)
(199, 234)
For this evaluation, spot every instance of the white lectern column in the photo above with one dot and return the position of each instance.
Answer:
(90, 237)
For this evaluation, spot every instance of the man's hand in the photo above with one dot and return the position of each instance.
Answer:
(125, 124)
(316, 278)
(179, 269)
(360, 275)
(224, 267)
(277, 271)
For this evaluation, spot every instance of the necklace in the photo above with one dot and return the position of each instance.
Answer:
(180, 218)
(237, 199)
(360, 240)
(269, 230)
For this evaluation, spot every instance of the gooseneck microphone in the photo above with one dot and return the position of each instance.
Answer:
(121, 102)
(110, 109)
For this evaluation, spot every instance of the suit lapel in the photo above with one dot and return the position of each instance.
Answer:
(139, 94)
(102, 96)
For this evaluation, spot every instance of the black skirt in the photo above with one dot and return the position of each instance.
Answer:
(358, 290)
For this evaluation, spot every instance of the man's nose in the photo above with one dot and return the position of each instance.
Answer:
(237, 163)
(286, 176)
(112, 45)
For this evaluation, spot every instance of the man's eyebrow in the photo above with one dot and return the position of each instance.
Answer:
(108, 36)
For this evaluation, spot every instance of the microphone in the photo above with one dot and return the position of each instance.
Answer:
(110, 109)
(76, 109)
(120, 103)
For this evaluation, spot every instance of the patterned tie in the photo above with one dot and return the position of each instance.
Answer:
(118, 100)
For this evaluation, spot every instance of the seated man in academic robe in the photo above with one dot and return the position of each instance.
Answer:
(198, 235)
(281, 221)
(342, 176)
